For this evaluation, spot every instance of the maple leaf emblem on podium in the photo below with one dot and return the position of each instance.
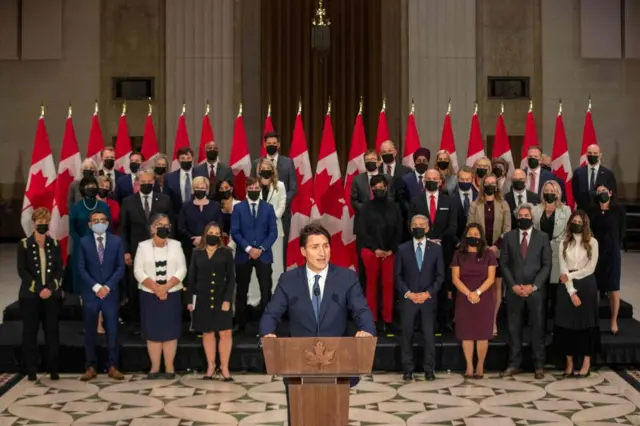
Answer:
(320, 355)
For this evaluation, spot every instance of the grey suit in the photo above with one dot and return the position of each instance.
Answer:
(533, 269)
(223, 172)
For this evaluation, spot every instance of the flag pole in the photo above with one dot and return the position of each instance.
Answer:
(560, 106)
(530, 105)
(413, 107)
(240, 111)
(124, 107)
(42, 109)
(329, 107)
(361, 105)
(300, 106)
(207, 108)
(269, 108)
(589, 106)
(184, 107)
(475, 109)
(502, 107)
(449, 107)
(150, 107)
(70, 112)
(384, 104)
(95, 108)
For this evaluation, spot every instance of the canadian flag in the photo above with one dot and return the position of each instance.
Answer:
(149, 149)
(476, 146)
(301, 204)
(530, 137)
(447, 142)
(411, 141)
(40, 189)
(588, 135)
(501, 145)
(206, 136)
(69, 169)
(560, 161)
(182, 139)
(383, 129)
(240, 161)
(96, 142)
(329, 207)
(123, 143)
(268, 127)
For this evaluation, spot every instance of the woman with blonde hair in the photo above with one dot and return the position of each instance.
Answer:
(481, 168)
(160, 168)
(445, 167)
(210, 293)
(500, 168)
(493, 214)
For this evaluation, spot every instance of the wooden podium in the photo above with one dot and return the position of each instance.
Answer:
(318, 370)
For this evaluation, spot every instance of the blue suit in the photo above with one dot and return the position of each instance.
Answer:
(124, 188)
(172, 187)
(258, 232)
(108, 273)
(412, 186)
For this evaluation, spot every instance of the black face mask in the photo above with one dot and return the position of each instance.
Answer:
(464, 186)
(387, 158)
(481, 173)
(431, 185)
(212, 155)
(498, 172)
(253, 195)
(549, 197)
(418, 233)
(146, 188)
(160, 170)
(224, 195)
(88, 173)
(576, 228)
(266, 174)
(271, 149)
(545, 167)
(472, 241)
(603, 197)
(42, 228)
(518, 185)
(443, 165)
(134, 167)
(90, 192)
(104, 193)
(213, 240)
(525, 223)
(489, 189)
(379, 194)
(186, 165)
(371, 166)
(533, 163)
(421, 168)
(199, 194)
(593, 159)
(163, 232)
(109, 163)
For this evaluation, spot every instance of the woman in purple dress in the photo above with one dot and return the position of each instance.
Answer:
(473, 271)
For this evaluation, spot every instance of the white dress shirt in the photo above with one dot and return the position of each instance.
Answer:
(183, 179)
(436, 194)
(423, 246)
(419, 177)
(393, 168)
(111, 174)
(578, 262)
(274, 159)
(518, 194)
(149, 198)
(589, 169)
(536, 175)
(96, 287)
(311, 279)
(469, 193)
(215, 168)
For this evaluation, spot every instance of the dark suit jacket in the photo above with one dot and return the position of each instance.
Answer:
(510, 198)
(546, 176)
(361, 193)
(411, 186)
(259, 232)
(223, 172)
(461, 222)
(535, 268)
(407, 275)
(342, 295)
(286, 174)
(134, 225)
(580, 185)
(124, 188)
(30, 269)
(446, 224)
(92, 272)
(172, 187)
(117, 174)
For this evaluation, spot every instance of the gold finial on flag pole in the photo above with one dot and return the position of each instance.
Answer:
(70, 112)
(361, 105)
(501, 107)
(240, 110)
(475, 109)
(207, 108)
(124, 107)
(560, 106)
(530, 105)
(150, 107)
(42, 109)
(95, 108)
(184, 107)
(300, 106)
(329, 107)
(269, 109)
(449, 107)
(589, 106)
(384, 104)
(413, 107)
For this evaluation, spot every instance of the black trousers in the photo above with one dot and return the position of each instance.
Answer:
(35, 311)
(515, 310)
(243, 278)
(133, 295)
(408, 313)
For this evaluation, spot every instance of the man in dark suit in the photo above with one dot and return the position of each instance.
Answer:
(135, 211)
(463, 196)
(525, 259)
(414, 182)
(419, 274)
(108, 157)
(254, 230)
(537, 176)
(587, 178)
(101, 267)
(178, 184)
(317, 297)
(126, 184)
(213, 168)
(389, 166)
(519, 194)
(286, 174)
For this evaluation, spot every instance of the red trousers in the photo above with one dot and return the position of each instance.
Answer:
(379, 270)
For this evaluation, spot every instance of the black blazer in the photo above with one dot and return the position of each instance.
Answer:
(407, 275)
(461, 217)
(585, 198)
(206, 275)
(361, 193)
(29, 268)
(446, 224)
(510, 198)
(535, 268)
(134, 225)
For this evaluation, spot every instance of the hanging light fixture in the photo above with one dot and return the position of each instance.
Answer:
(321, 29)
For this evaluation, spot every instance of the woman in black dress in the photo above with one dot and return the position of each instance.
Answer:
(576, 331)
(609, 224)
(212, 282)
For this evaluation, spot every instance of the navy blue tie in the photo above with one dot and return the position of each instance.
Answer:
(315, 298)
(253, 210)
(419, 256)
(466, 204)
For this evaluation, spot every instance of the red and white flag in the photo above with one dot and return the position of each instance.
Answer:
(383, 129)
(530, 137)
(501, 145)
(411, 141)
(447, 142)
(206, 136)
(475, 149)
(96, 142)
(69, 169)
(240, 161)
(560, 161)
(149, 149)
(588, 135)
(301, 203)
(123, 143)
(268, 127)
(182, 140)
(329, 207)
(40, 189)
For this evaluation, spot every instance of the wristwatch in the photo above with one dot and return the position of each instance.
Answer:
(478, 292)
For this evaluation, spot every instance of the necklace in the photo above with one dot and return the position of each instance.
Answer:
(89, 208)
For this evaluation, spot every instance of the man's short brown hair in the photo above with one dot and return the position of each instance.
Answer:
(314, 228)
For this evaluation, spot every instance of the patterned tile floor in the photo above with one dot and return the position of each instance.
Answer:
(381, 399)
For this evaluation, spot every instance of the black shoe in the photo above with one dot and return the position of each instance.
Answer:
(154, 376)
(168, 376)
(430, 377)
(407, 377)
(583, 376)
(54, 376)
(32, 377)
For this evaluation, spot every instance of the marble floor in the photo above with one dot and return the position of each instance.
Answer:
(381, 399)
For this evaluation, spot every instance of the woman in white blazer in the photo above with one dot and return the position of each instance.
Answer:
(160, 267)
(551, 216)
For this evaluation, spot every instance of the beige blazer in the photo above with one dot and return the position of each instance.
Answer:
(501, 218)
(559, 225)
